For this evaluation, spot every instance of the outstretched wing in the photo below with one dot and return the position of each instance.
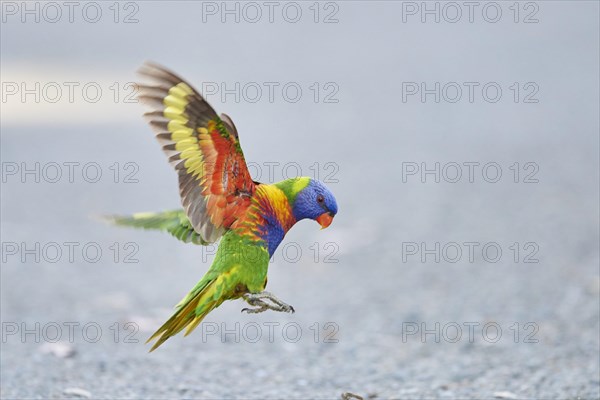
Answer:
(214, 182)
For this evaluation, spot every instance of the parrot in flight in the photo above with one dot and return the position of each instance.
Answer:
(220, 201)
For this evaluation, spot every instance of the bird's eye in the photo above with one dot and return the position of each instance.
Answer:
(320, 198)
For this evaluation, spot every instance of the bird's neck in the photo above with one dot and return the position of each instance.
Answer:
(268, 219)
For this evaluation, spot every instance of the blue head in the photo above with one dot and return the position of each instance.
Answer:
(311, 199)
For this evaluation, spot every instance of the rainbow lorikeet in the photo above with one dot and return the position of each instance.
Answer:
(220, 200)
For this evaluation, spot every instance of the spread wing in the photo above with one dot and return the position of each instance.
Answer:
(214, 182)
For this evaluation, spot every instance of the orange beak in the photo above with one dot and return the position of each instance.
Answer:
(325, 220)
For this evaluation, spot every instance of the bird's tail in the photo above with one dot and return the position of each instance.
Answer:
(191, 310)
(175, 222)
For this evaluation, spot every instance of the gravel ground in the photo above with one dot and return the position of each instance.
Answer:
(376, 314)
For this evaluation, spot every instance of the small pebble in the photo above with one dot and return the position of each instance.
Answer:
(505, 395)
(58, 349)
(78, 392)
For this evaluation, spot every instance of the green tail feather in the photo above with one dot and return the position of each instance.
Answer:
(190, 311)
(175, 222)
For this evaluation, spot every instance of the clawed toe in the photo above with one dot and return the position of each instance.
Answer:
(256, 299)
(289, 309)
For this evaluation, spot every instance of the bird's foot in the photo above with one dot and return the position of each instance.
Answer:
(257, 300)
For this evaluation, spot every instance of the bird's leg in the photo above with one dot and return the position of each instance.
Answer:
(257, 299)
(253, 301)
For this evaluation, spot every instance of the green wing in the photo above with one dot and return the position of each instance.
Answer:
(175, 222)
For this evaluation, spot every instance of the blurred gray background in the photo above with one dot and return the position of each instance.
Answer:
(360, 134)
